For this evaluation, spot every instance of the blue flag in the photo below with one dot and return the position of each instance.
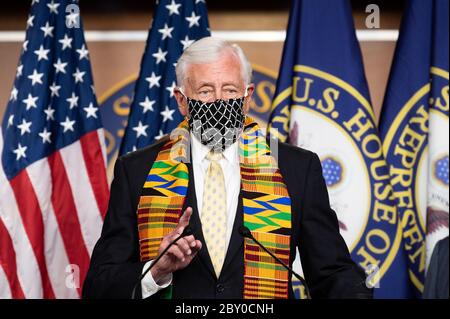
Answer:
(154, 110)
(414, 128)
(322, 103)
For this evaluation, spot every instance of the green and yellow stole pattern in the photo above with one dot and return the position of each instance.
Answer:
(266, 205)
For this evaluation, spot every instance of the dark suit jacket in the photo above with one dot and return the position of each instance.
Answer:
(436, 282)
(329, 271)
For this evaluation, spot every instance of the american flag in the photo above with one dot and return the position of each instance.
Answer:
(53, 185)
(154, 111)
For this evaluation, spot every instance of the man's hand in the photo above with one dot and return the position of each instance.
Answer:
(180, 254)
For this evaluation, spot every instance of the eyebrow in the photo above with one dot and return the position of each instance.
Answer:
(230, 84)
(202, 84)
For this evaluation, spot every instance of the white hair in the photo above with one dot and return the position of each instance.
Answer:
(207, 50)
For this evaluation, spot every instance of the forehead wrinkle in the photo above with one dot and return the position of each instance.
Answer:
(205, 83)
(229, 57)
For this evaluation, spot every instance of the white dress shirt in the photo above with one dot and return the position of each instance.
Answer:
(231, 171)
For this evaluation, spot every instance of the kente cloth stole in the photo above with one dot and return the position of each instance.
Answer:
(266, 208)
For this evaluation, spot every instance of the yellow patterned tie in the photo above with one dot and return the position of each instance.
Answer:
(214, 212)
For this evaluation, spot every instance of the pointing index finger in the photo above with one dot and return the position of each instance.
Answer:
(184, 220)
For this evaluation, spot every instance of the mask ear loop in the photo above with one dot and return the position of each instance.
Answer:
(182, 93)
(245, 95)
(188, 115)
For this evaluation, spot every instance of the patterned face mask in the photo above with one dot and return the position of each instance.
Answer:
(216, 124)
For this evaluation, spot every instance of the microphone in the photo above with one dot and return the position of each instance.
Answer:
(245, 232)
(187, 232)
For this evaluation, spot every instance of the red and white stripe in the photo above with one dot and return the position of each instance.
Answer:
(51, 215)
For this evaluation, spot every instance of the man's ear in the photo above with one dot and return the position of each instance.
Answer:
(181, 100)
(248, 99)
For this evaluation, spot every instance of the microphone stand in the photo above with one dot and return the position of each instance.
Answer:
(187, 232)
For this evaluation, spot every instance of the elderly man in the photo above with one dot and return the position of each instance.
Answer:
(216, 173)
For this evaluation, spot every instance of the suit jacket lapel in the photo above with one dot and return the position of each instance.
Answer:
(236, 240)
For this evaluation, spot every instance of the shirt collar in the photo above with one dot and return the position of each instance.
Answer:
(199, 151)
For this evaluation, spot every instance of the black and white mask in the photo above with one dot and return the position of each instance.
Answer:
(216, 124)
